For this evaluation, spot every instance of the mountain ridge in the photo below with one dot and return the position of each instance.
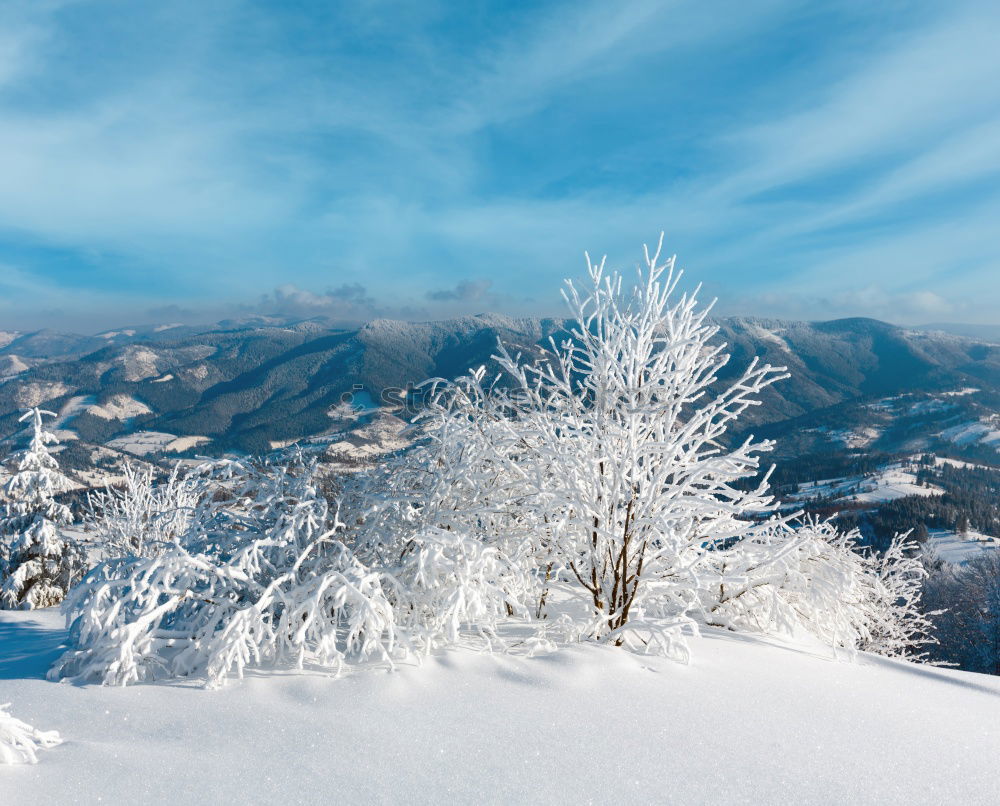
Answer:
(248, 387)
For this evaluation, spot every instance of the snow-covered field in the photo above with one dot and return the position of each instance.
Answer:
(972, 433)
(143, 443)
(959, 549)
(888, 484)
(852, 438)
(748, 721)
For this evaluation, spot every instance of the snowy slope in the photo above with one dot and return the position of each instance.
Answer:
(891, 482)
(143, 443)
(747, 722)
(975, 432)
(959, 549)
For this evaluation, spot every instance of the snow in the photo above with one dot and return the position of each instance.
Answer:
(959, 549)
(885, 404)
(940, 461)
(381, 436)
(888, 484)
(20, 742)
(34, 394)
(931, 406)
(182, 444)
(849, 437)
(140, 364)
(771, 335)
(164, 379)
(281, 444)
(74, 406)
(856, 438)
(62, 482)
(983, 433)
(892, 484)
(117, 407)
(10, 366)
(142, 443)
(748, 721)
(968, 390)
(120, 407)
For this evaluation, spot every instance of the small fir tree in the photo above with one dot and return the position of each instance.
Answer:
(38, 564)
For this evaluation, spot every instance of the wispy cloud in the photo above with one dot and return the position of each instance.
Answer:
(463, 291)
(350, 303)
(467, 160)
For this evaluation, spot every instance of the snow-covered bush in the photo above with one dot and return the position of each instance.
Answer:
(452, 582)
(261, 575)
(899, 623)
(181, 614)
(38, 562)
(19, 741)
(266, 574)
(140, 518)
(815, 579)
(599, 472)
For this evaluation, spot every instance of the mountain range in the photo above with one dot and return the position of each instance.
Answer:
(259, 384)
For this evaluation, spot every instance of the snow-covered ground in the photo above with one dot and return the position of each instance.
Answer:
(959, 549)
(143, 443)
(852, 438)
(941, 461)
(10, 365)
(974, 432)
(117, 407)
(888, 484)
(748, 721)
(120, 407)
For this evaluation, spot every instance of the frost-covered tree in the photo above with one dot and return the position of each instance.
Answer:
(602, 461)
(140, 518)
(19, 741)
(600, 471)
(39, 563)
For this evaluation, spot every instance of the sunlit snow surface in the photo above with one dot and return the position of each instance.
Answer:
(959, 549)
(746, 722)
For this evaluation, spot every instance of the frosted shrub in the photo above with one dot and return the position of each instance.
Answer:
(454, 581)
(899, 623)
(258, 578)
(141, 518)
(600, 471)
(19, 741)
(815, 579)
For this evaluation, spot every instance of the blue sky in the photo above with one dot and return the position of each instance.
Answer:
(189, 160)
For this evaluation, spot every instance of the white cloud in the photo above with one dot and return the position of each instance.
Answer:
(219, 171)
(919, 87)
